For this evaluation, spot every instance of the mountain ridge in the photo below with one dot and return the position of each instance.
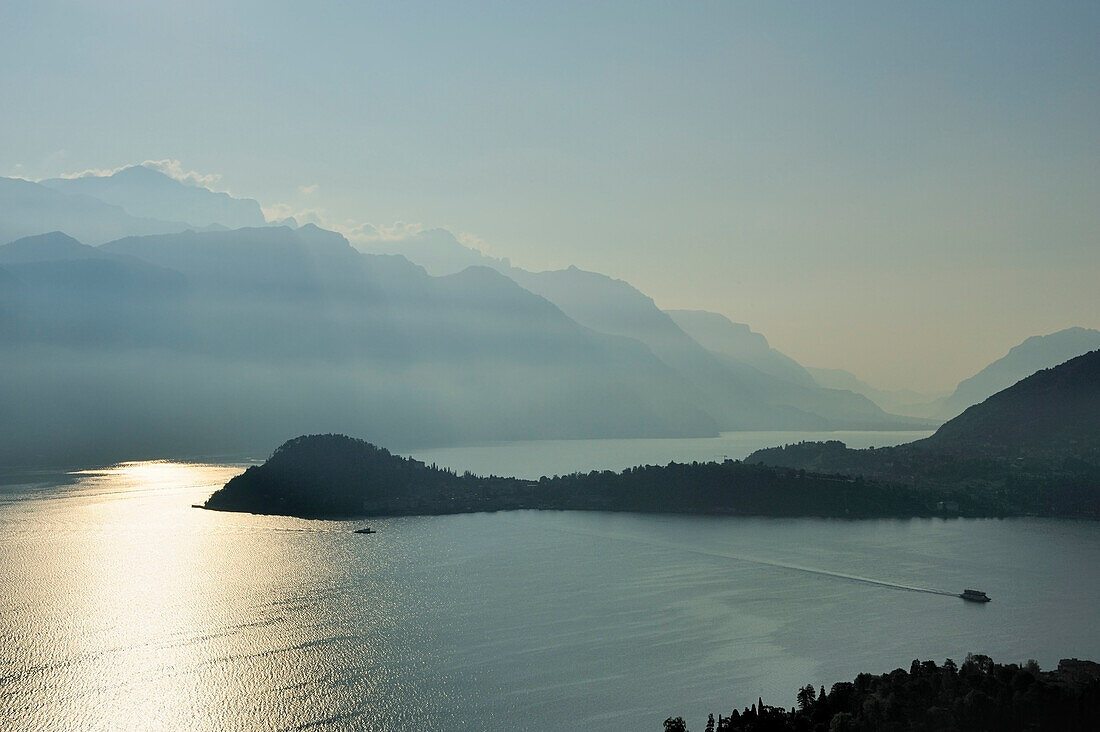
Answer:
(738, 394)
(215, 342)
(147, 193)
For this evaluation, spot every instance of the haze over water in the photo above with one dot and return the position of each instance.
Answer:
(126, 608)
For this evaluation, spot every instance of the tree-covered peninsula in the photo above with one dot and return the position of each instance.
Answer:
(333, 476)
(1032, 449)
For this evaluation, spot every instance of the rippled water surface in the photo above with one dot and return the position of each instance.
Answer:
(122, 607)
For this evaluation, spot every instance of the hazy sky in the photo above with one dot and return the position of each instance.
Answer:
(903, 190)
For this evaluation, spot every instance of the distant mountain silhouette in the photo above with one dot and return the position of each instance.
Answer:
(1036, 443)
(68, 292)
(738, 342)
(1037, 352)
(222, 342)
(27, 209)
(736, 391)
(148, 193)
(739, 395)
(902, 401)
(49, 247)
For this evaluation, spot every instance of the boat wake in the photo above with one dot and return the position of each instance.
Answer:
(765, 562)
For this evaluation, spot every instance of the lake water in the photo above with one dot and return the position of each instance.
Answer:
(535, 459)
(124, 608)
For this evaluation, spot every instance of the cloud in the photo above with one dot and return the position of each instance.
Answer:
(363, 232)
(318, 216)
(95, 172)
(356, 231)
(384, 232)
(308, 190)
(173, 169)
(376, 238)
(472, 241)
(169, 167)
(277, 211)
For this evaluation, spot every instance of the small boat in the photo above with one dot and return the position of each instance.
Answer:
(975, 596)
(367, 530)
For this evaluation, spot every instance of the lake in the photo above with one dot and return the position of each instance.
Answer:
(534, 459)
(125, 608)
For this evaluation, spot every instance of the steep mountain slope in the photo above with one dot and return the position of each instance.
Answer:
(1055, 411)
(1052, 415)
(1037, 352)
(612, 306)
(740, 395)
(1035, 446)
(737, 342)
(737, 393)
(148, 193)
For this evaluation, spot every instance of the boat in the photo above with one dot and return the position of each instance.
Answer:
(367, 530)
(975, 596)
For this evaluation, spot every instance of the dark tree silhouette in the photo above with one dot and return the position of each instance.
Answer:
(806, 696)
(675, 724)
(979, 695)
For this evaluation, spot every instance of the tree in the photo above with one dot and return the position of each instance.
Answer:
(842, 722)
(675, 724)
(806, 696)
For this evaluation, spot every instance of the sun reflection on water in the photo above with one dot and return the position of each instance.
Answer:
(126, 608)
(121, 607)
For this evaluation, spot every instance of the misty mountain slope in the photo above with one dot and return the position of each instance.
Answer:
(1036, 352)
(902, 401)
(51, 246)
(277, 260)
(778, 378)
(612, 306)
(223, 342)
(739, 395)
(738, 342)
(28, 208)
(74, 293)
(148, 193)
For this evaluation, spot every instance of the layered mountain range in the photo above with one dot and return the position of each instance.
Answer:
(194, 327)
